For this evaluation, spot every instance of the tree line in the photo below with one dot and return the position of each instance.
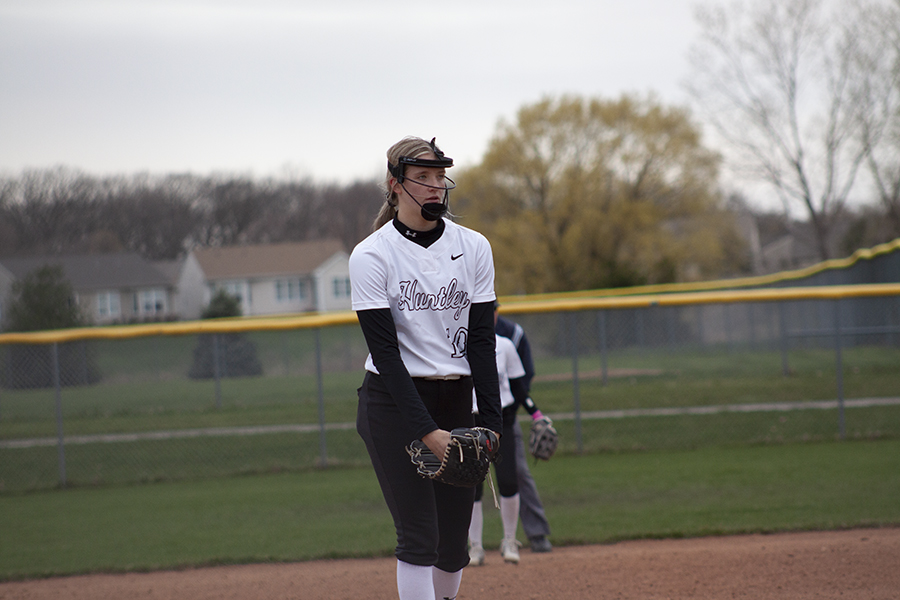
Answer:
(61, 210)
(546, 235)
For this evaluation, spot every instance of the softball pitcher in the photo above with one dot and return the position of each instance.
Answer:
(423, 290)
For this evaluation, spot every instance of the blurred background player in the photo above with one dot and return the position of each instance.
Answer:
(531, 509)
(513, 392)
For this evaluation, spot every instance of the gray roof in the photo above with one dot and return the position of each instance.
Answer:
(95, 271)
(266, 260)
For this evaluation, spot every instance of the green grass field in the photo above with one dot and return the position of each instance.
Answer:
(140, 404)
(176, 495)
(339, 512)
(204, 499)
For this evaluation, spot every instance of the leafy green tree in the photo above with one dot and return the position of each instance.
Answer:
(222, 305)
(43, 299)
(588, 193)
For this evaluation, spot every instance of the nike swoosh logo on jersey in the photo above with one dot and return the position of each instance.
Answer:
(455, 257)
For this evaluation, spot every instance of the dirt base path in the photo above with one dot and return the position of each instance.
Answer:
(861, 563)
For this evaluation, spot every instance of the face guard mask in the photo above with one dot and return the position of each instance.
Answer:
(431, 211)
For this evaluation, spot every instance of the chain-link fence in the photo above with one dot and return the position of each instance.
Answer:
(673, 371)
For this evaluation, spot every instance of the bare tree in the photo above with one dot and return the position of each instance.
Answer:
(9, 236)
(293, 211)
(153, 216)
(55, 210)
(779, 83)
(878, 91)
(349, 211)
(230, 208)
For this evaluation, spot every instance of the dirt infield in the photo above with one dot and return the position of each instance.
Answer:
(860, 563)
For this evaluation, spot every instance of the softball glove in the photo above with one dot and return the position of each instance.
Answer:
(465, 463)
(543, 439)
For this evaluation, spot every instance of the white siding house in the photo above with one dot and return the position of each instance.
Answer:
(271, 279)
(186, 278)
(332, 283)
(109, 288)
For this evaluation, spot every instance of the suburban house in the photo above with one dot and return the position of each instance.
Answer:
(279, 278)
(109, 288)
(267, 279)
(186, 278)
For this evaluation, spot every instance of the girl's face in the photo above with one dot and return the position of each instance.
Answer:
(421, 185)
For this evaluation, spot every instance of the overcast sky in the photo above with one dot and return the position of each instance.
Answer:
(319, 89)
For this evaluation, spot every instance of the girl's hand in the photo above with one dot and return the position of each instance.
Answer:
(437, 441)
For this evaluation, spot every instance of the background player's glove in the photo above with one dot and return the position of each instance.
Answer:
(543, 439)
(465, 463)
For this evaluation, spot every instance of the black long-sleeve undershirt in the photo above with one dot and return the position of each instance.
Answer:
(381, 337)
(482, 356)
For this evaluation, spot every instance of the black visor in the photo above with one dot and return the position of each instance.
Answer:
(441, 161)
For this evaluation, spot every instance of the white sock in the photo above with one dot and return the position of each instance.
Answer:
(446, 585)
(476, 525)
(509, 514)
(414, 582)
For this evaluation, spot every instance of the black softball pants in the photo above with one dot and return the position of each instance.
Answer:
(507, 477)
(431, 518)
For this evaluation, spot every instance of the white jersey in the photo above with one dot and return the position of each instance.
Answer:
(509, 366)
(429, 291)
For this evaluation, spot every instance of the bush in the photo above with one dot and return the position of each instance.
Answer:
(221, 306)
(237, 355)
(44, 300)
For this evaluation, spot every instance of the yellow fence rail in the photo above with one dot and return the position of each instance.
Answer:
(509, 305)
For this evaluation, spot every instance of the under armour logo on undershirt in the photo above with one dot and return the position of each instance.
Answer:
(455, 257)
(410, 233)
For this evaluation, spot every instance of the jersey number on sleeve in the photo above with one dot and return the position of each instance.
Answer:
(459, 342)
